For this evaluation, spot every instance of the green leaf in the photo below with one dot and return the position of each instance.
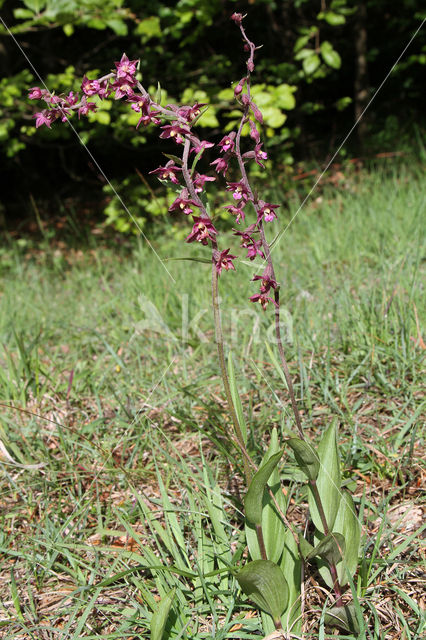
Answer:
(306, 457)
(149, 28)
(158, 94)
(178, 161)
(68, 29)
(343, 618)
(330, 55)
(23, 14)
(35, 5)
(301, 42)
(284, 95)
(274, 117)
(254, 496)
(311, 64)
(348, 525)
(118, 26)
(304, 53)
(335, 19)
(291, 565)
(331, 548)
(273, 527)
(236, 398)
(264, 583)
(328, 481)
(15, 596)
(305, 547)
(342, 103)
(159, 617)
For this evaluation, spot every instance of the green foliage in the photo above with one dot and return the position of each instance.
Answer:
(273, 528)
(236, 398)
(132, 203)
(108, 14)
(343, 617)
(254, 498)
(265, 584)
(159, 618)
(306, 457)
(328, 480)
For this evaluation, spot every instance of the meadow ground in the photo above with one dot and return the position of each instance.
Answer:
(114, 457)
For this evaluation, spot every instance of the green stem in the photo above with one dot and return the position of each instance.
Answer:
(261, 541)
(247, 461)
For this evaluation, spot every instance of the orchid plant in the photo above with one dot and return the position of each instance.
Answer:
(279, 552)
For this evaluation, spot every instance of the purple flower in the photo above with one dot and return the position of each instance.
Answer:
(254, 249)
(248, 242)
(267, 282)
(45, 117)
(36, 93)
(184, 203)
(90, 87)
(266, 211)
(168, 172)
(126, 68)
(199, 145)
(262, 299)
(199, 181)
(190, 113)
(139, 103)
(85, 108)
(237, 211)
(223, 260)
(227, 143)
(147, 118)
(239, 190)
(123, 87)
(202, 231)
(71, 99)
(174, 131)
(221, 165)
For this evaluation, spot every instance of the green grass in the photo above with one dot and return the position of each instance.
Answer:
(109, 379)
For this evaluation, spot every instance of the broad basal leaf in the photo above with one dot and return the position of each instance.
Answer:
(264, 583)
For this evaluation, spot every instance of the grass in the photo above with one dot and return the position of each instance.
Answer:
(109, 380)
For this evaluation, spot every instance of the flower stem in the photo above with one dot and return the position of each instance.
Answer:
(247, 461)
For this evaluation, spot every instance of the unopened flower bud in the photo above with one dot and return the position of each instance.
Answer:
(237, 18)
(256, 112)
(238, 89)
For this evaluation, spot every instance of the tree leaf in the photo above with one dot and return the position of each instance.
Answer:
(306, 457)
(254, 496)
(264, 583)
(159, 617)
(311, 64)
(330, 55)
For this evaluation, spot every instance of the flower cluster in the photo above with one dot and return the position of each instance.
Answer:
(175, 123)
